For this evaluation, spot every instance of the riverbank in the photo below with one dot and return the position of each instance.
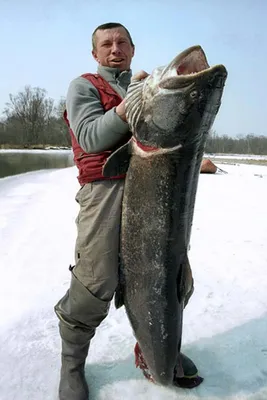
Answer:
(32, 147)
(236, 159)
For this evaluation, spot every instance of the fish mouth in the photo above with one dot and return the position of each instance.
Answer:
(186, 67)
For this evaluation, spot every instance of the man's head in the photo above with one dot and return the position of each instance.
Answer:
(113, 46)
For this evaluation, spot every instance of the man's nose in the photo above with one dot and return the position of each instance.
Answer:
(115, 48)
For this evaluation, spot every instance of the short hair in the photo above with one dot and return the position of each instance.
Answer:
(110, 25)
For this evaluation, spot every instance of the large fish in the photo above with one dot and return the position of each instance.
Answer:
(170, 114)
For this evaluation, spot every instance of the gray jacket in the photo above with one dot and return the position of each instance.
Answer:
(95, 130)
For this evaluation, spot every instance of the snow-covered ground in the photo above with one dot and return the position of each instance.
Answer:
(225, 325)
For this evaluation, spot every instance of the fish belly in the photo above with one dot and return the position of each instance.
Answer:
(152, 251)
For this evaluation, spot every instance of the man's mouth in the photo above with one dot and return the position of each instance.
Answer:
(117, 60)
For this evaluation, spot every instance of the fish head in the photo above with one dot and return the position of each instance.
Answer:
(172, 109)
(170, 106)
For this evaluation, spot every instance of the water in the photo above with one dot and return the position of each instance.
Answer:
(13, 162)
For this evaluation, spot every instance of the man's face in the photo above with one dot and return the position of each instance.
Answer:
(113, 48)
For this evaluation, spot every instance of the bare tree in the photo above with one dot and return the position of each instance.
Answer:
(59, 109)
(33, 110)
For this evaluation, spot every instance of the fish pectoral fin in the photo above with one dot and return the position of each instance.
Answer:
(185, 282)
(118, 162)
(118, 298)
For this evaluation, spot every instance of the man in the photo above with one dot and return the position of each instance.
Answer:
(95, 113)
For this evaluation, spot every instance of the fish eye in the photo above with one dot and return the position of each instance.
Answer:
(193, 94)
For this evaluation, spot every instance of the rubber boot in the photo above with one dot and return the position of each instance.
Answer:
(80, 313)
(75, 346)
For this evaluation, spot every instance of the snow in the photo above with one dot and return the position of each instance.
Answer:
(225, 323)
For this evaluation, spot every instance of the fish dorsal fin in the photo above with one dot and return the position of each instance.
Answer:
(134, 103)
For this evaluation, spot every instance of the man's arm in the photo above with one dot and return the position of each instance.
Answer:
(94, 130)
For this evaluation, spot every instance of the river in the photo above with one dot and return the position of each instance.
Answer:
(13, 162)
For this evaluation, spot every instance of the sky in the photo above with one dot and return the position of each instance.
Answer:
(48, 44)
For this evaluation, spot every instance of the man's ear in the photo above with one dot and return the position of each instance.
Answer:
(94, 54)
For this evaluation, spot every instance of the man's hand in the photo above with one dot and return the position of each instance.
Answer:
(120, 109)
(139, 76)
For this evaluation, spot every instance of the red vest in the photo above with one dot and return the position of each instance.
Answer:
(90, 165)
